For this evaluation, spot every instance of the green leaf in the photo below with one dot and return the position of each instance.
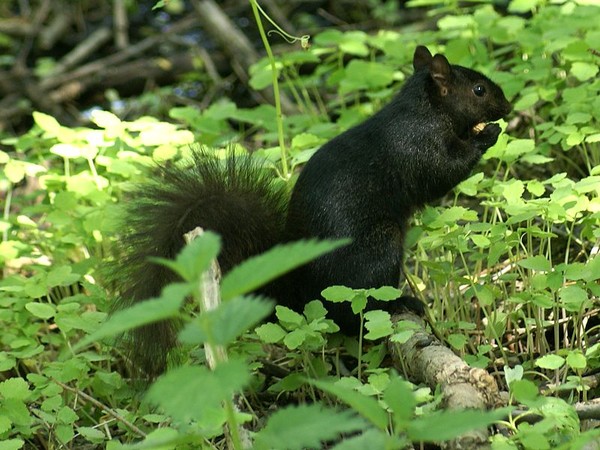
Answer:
(295, 338)
(538, 263)
(314, 310)
(400, 398)
(41, 310)
(385, 293)
(270, 333)
(584, 71)
(11, 444)
(365, 406)
(195, 257)
(338, 294)
(573, 297)
(47, 123)
(159, 439)
(371, 439)
(92, 434)
(196, 393)
(106, 120)
(261, 269)
(550, 362)
(16, 388)
(14, 171)
(513, 374)
(62, 276)
(445, 425)
(288, 316)
(149, 311)
(301, 427)
(525, 392)
(378, 324)
(228, 321)
(361, 74)
(576, 360)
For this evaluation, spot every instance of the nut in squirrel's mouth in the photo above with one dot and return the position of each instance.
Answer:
(478, 128)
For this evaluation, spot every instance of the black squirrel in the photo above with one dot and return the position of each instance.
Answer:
(364, 184)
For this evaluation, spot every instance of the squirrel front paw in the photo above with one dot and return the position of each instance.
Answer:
(487, 137)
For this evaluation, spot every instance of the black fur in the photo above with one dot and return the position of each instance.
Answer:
(235, 197)
(364, 184)
(367, 182)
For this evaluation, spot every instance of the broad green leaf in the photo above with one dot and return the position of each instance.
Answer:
(301, 427)
(338, 294)
(41, 310)
(228, 321)
(573, 297)
(196, 393)
(371, 439)
(550, 362)
(143, 313)
(401, 400)
(584, 71)
(288, 316)
(385, 293)
(576, 360)
(270, 333)
(259, 270)
(295, 338)
(378, 324)
(195, 257)
(445, 425)
(538, 263)
(11, 444)
(365, 406)
(16, 388)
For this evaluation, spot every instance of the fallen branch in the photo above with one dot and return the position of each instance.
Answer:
(427, 361)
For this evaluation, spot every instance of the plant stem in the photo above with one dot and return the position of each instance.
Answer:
(279, 114)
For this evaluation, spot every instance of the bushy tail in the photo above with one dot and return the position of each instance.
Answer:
(234, 197)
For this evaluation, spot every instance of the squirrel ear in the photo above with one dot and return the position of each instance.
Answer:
(441, 72)
(422, 58)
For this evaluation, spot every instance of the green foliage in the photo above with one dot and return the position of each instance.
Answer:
(509, 264)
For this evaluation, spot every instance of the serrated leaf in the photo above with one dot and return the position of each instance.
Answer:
(385, 293)
(196, 393)
(365, 406)
(288, 316)
(401, 400)
(338, 294)
(270, 333)
(149, 311)
(195, 257)
(379, 324)
(229, 320)
(445, 425)
(11, 444)
(61, 276)
(259, 270)
(16, 388)
(294, 339)
(301, 427)
(573, 297)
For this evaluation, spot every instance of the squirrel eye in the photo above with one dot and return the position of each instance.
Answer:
(479, 90)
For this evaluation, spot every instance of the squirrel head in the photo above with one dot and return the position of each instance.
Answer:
(466, 96)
